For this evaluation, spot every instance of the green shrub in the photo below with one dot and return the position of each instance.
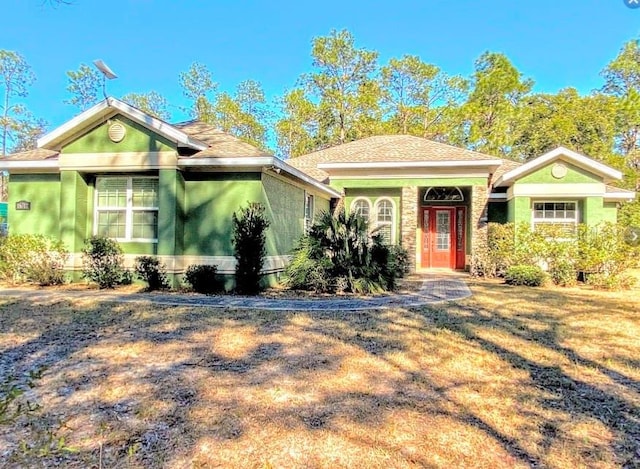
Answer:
(339, 254)
(103, 262)
(604, 281)
(32, 258)
(152, 271)
(203, 279)
(306, 273)
(249, 240)
(603, 249)
(498, 255)
(399, 261)
(529, 275)
(563, 273)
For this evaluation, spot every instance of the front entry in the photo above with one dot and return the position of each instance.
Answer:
(443, 237)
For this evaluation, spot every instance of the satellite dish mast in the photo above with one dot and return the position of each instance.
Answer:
(107, 73)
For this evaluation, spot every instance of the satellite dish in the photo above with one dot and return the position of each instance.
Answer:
(104, 68)
(107, 73)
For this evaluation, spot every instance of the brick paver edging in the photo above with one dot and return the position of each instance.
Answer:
(433, 290)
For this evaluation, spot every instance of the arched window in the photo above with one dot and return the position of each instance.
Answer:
(361, 207)
(443, 194)
(385, 218)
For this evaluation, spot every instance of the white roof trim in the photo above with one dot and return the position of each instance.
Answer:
(257, 162)
(619, 196)
(498, 196)
(110, 106)
(580, 160)
(8, 164)
(411, 164)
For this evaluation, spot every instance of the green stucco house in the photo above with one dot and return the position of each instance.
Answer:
(170, 190)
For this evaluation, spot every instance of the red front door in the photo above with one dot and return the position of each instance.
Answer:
(443, 237)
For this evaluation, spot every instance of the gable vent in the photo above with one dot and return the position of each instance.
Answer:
(117, 132)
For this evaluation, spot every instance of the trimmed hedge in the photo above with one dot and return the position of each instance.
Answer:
(528, 275)
(203, 279)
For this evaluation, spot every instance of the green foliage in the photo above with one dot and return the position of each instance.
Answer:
(608, 281)
(563, 272)
(203, 279)
(153, 103)
(339, 254)
(32, 258)
(103, 262)
(343, 84)
(600, 249)
(629, 213)
(84, 86)
(493, 260)
(528, 275)
(399, 261)
(603, 250)
(152, 271)
(249, 242)
(18, 127)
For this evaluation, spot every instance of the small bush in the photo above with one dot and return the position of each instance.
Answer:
(563, 273)
(152, 271)
(32, 258)
(249, 242)
(603, 281)
(528, 275)
(103, 262)
(203, 279)
(306, 273)
(399, 261)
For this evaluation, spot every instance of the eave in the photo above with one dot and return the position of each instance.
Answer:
(55, 139)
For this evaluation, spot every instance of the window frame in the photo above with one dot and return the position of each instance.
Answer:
(309, 210)
(391, 223)
(128, 209)
(362, 199)
(564, 221)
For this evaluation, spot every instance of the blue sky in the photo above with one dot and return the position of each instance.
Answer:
(558, 43)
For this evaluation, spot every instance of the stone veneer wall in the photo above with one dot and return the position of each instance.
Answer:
(479, 208)
(409, 220)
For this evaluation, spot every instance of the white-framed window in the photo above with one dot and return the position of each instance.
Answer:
(362, 208)
(558, 214)
(385, 219)
(126, 208)
(308, 211)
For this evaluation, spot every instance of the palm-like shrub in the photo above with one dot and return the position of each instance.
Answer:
(340, 253)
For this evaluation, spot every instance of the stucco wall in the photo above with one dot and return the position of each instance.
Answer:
(137, 139)
(43, 191)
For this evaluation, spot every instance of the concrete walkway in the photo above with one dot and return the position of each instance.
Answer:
(436, 288)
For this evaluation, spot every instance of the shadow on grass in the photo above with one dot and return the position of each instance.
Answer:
(153, 386)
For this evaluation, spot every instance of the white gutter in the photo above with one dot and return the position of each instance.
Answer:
(257, 162)
(411, 164)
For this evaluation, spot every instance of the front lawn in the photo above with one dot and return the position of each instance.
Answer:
(511, 377)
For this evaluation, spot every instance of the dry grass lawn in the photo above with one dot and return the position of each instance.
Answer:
(511, 377)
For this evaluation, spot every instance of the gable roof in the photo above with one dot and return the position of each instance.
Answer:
(607, 172)
(389, 150)
(55, 139)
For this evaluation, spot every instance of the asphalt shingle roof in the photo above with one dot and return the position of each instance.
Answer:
(221, 144)
(30, 155)
(384, 148)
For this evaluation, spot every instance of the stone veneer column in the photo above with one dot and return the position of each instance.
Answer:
(479, 207)
(409, 222)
